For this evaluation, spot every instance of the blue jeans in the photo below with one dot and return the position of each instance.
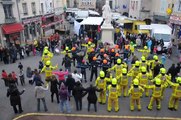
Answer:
(65, 103)
(44, 104)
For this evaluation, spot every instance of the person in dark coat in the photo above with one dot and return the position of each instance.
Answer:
(36, 78)
(92, 97)
(67, 62)
(15, 99)
(70, 82)
(54, 88)
(78, 93)
(173, 72)
(178, 68)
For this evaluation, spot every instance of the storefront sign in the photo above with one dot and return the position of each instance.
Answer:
(175, 19)
(31, 20)
(51, 24)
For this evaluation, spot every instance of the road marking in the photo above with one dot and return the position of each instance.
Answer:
(97, 116)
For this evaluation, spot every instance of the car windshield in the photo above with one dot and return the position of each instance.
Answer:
(165, 37)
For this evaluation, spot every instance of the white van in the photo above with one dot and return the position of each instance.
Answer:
(160, 31)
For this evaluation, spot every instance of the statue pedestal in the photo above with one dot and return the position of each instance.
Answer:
(107, 34)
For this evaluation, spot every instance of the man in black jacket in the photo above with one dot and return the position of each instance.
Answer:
(94, 67)
(67, 62)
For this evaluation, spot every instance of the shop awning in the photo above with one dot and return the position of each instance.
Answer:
(92, 21)
(12, 28)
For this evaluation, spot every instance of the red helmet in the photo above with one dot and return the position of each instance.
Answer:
(94, 58)
(105, 61)
(105, 55)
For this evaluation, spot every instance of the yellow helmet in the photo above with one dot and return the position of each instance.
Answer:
(155, 57)
(89, 43)
(137, 63)
(143, 69)
(45, 51)
(67, 48)
(145, 47)
(178, 80)
(124, 70)
(102, 74)
(118, 61)
(157, 81)
(114, 81)
(143, 58)
(135, 82)
(48, 63)
(46, 47)
(163, 70)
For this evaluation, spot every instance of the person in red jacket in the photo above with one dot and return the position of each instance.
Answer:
(61, 75)
(4, 76)
(14, 76)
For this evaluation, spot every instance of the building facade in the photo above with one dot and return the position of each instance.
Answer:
(120, 6)
(87, 4)
(11, 29)
(26, 20)
(175, 19)
(158, 10)
(140, 9)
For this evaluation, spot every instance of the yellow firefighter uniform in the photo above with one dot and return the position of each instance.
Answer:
(123, 82)
(113, 96)
(164, 78)
(66, 51)
(145, 51)
(154, 62)
(48, 69)
(118, 67)
(156, 94)
(176, 94)
(144, 63)
(101, 84)
(135, 70)
(47, 56)
(135, 91)
(144, 78)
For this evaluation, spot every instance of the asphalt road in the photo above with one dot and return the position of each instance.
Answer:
(29, 102)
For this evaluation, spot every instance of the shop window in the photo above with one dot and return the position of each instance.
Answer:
(33, 7)
(25, 8)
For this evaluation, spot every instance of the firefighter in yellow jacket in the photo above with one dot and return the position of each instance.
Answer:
(66, 51)
(89, 46)
(143, 78)
(101, 84)
(48, 70)
(47, 56)
(135, 70)
(135, 91)
(145, 51)
(118, 67)
(123, 82)
(144, 63)
(176, 94)
(113, 96)
(156, 94)
(164, 78)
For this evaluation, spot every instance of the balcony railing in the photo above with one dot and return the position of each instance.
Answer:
(10, 20)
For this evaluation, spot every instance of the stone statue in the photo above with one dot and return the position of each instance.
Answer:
(107, 13)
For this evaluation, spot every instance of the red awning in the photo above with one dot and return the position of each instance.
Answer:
(12, 28)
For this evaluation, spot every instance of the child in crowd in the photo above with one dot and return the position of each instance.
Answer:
(21, 77)
(163, 58)
(40, 67)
